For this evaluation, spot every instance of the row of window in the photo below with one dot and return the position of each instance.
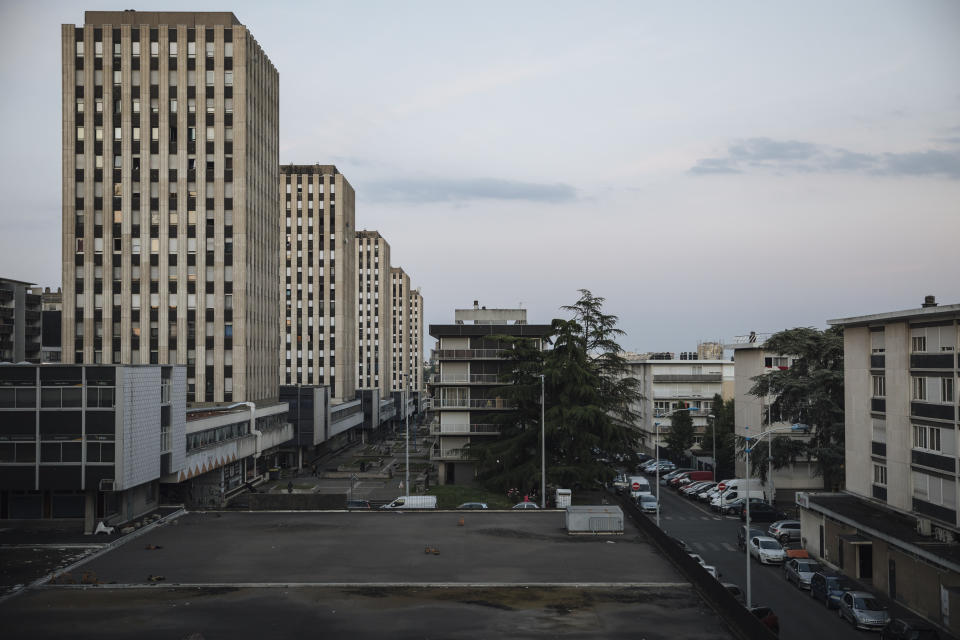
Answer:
(922, 340)
(922, 388)
(173, 49)
(933, 489)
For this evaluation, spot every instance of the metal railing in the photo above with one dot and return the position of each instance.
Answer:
(464, 429)
(468, 354)
(473, 403)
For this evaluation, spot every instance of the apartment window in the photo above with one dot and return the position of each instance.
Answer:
(879, 386)
(918, 343)
(877, 341)
(191, 49)
(79, 47)
(946, 390)
(154, 48)
(879, 428)
(919, 385)
(98, 49)
(927, 438)
(880, 474)
(173, 49)
(135, 48)
(228, 49)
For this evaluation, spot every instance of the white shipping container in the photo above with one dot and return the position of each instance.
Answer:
(594, 520)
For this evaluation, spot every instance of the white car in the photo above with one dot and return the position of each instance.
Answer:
(767, 550)
(712, 570)
(525, 505)
(647, 502)
(698, 558)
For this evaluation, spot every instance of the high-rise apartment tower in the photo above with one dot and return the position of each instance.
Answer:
(373, 312)
(171, 244)
(319, 279)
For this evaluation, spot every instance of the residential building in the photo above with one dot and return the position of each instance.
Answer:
(895, 526)
(752, 416)
(51, 338)
(170, 239)
(416, 341)
(88, 442)
(466, 400)
(318, 339)
(374, 336)
(668, 384)
(20, 322)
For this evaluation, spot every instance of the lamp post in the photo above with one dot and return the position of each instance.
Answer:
(748, 447)
(713, 432)
(543, 446)
(407, 422)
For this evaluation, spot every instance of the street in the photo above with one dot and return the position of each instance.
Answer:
(715, 539)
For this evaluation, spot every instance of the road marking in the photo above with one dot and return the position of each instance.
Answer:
(727, 546)
(699, 546)
(712, 546)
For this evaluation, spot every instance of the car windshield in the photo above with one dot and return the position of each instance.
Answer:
(769, 544)
(808, 567)
(869, 604)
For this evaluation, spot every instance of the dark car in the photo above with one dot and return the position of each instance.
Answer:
(768, 618)
(358, 504)
(763, 512)
(909, 629)
(829, 588)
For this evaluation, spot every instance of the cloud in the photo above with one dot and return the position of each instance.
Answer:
(793, 156)
(451, 190)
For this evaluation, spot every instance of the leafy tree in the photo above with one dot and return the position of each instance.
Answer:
(723, 423)
(588, 397)
(680, 435)
(810, 393)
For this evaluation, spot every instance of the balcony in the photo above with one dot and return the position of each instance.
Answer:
(439, 453)
(931, 361)
(475, 429)
(468, 354)
(473, 403)
(688, 377)
(463, 378)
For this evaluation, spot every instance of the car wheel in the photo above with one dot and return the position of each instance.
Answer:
(784, 539)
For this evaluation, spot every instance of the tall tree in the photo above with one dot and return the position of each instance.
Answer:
(588, 398)
(680, 436)
(723, 423)
(809, 392)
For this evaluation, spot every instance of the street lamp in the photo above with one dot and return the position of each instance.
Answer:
(407, 422)
(747, 449)
(713, 432)
(543, 447)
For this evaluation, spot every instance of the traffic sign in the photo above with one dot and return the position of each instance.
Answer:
(721, 486)
(636, 486)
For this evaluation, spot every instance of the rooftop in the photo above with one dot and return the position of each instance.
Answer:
(929, 311)
(157, 18)
(321, 169)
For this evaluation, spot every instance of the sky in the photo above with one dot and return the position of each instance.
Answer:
(708, 168)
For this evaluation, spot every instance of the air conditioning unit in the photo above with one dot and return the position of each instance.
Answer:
(106, 484)
(924, 527)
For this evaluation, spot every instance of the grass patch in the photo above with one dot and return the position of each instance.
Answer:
(449, 496)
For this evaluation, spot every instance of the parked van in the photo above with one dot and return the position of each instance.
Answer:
(412, 502)
(642, 483)
(720, 502)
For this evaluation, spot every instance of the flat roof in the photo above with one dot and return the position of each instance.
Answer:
(892, 316)
(519, 330)
(157, 18)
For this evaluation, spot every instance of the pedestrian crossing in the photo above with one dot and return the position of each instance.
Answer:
(691, 517)
(713, 546)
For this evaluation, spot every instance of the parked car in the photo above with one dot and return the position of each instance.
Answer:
(473, 505)
(692, 489)
(799, 571)
(863, 611)
(743, 534)
(763, 513)
(712, 570)
(829, 588)
(358, 504)
(735, 591)
(647, 502)
(735, 506)
(766, 550)
(783, 530)
(909, 629)
(768, 618)
(525, 505)
(620, 483)
(698, 558)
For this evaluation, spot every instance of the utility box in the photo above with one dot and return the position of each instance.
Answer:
(594, 520)
(563, 498)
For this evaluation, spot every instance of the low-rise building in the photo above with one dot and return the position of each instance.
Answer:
(20, 322)
(896, 524)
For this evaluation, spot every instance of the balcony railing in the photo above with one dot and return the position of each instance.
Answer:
(468, 354)
(463, 378)
(465, 429)
(438, 453)
(473, 403)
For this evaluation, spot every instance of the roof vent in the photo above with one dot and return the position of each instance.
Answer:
(476, 304)
(929, 301)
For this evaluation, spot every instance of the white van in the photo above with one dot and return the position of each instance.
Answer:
(412, 502)
(719, 503)
(735, 489)
(638, 485)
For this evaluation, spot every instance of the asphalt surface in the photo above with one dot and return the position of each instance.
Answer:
(714, 537)
(501, 574)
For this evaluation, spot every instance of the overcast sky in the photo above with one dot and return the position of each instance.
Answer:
(710, 168)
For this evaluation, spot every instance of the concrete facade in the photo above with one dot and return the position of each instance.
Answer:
(416, 341)
(400, 331)
(170, 173)
(20, 322)
(751, 417)
(374, 335)
(87, 441)
(465, 400)
(670, 384)
(318, 276)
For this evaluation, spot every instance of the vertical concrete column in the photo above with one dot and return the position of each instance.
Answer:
(89, 511)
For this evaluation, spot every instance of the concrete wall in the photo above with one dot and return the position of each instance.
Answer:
(138, 415)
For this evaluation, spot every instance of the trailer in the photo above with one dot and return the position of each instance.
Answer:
(594, 520)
